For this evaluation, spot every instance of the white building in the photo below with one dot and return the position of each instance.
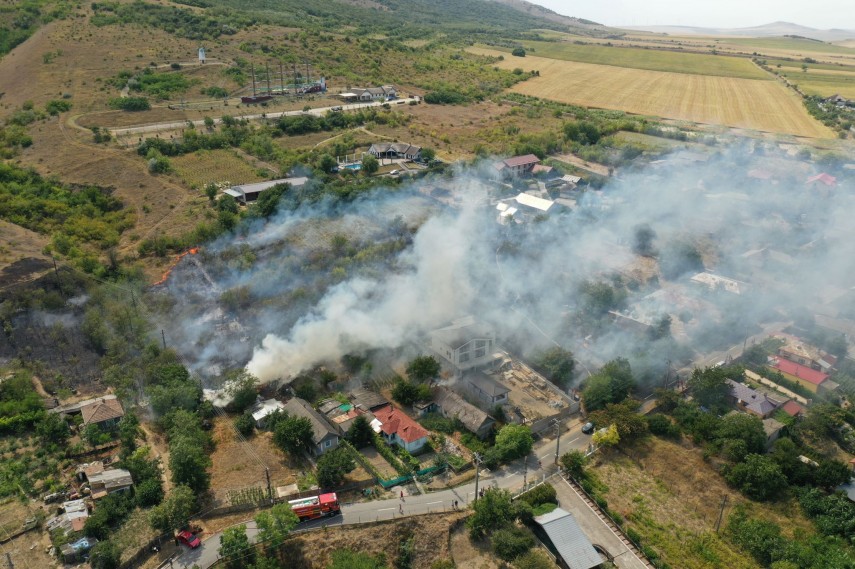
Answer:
(465, 344)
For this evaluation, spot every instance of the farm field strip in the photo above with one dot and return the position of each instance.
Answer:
(743, 103)
(650, 59)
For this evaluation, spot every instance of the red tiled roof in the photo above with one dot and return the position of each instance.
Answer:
(826, 179)
(394, 421)
(102, 410)
(800, 371)
(792, 408)
(521, 160)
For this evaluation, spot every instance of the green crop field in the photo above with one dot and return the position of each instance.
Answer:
(649, 59)
(792, 44)
(824, 85)
(811, 66)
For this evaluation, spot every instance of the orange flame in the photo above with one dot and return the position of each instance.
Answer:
(191, 251)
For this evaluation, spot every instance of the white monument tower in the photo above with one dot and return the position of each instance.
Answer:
(202, 55)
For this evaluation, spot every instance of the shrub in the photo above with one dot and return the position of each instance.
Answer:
(518, 52)
(542, 494)
(512, 542)
(130, 103)
(245, 424)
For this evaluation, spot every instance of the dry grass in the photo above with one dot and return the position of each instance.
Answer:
(430, 536)
(207, 166)
(235, 466)
(671, 496)
(744, 103)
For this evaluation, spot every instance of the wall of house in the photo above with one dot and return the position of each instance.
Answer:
(322, 447)
(803, 382)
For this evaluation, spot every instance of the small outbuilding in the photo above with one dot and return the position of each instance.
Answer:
(562, 535)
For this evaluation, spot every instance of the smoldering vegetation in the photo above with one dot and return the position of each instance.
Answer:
(609, 278)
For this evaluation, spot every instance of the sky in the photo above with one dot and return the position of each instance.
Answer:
(822, 14)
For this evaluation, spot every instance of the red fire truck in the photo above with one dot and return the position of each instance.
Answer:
(316, 506)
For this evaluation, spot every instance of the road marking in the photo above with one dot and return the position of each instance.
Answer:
(384, 509)
(432, 503)
(574, 440)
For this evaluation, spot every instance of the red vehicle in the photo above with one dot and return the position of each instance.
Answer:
(316, 506)
(189, 539)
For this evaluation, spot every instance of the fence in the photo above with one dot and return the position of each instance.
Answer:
(542, 424)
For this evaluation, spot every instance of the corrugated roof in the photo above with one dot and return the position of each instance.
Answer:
(803, 372)
(535, 202)
(453, 405)
(320, 427)
(259, 187)
(569, 540)
(757, 402)
(266, 408)
(792, 408)
(487, 384)
(369, 400)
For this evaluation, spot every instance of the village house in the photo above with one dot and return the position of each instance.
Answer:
(465, 344)
(751, 401)
(793, 409)
(72, 518)
(105, 411)
(486, 389)
(368, 400)
(809, 378)
(517, 166)
(109, 481)
(396, 427)
(395, 150)
(800, 352)
(451, 405)
(342, 415)
(324, 436)
(717, 282)
(367, 94)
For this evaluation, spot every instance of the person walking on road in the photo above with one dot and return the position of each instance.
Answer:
(401, 509)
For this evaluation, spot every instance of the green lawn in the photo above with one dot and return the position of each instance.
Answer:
(650, 59)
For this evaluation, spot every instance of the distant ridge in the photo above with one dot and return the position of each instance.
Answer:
(774, 29)
(545, 13)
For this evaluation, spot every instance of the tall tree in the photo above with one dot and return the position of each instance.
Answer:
(275, 524)
(235, 548)
(333, 466)
(293, 434)
(709, 387)
(423, 368)
(174, 512)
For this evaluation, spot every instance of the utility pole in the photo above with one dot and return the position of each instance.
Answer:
(9, 560)
(477, 461)
(163, 337)
(525, 473)
(269, 487)
(557, 438)
(721, 513)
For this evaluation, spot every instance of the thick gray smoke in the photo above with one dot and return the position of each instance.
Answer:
(327, 279)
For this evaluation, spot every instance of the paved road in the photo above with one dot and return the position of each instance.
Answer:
(510, 477)
(117, 132)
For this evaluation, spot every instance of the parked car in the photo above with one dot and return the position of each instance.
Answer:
(588, 428)
(189, 539)
(393, 173)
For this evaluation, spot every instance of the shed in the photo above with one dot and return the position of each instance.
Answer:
(264, 409)
(452, 405)
(249, 192)
(368, 400)
(110, 481)
(565, 538)
(487, 389)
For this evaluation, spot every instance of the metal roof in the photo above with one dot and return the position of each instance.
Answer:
(487, 384)
(535, 202)
(259, 187)
(569, 540)
(321, 429)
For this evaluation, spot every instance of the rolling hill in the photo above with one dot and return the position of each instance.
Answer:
(774, 29)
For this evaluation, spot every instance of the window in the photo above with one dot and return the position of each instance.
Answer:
(480, 353)
(464, 357)
(327, 444)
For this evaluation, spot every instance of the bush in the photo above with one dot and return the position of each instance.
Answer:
(662, 426)
(512, 542)
(518, 51)
(130, 103)
(149, 493)
(542, 494)
(56, 107)
(245, 424)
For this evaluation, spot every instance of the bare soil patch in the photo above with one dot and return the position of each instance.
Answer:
(469, 555)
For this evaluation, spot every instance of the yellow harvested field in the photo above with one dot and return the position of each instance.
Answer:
(744, 103)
